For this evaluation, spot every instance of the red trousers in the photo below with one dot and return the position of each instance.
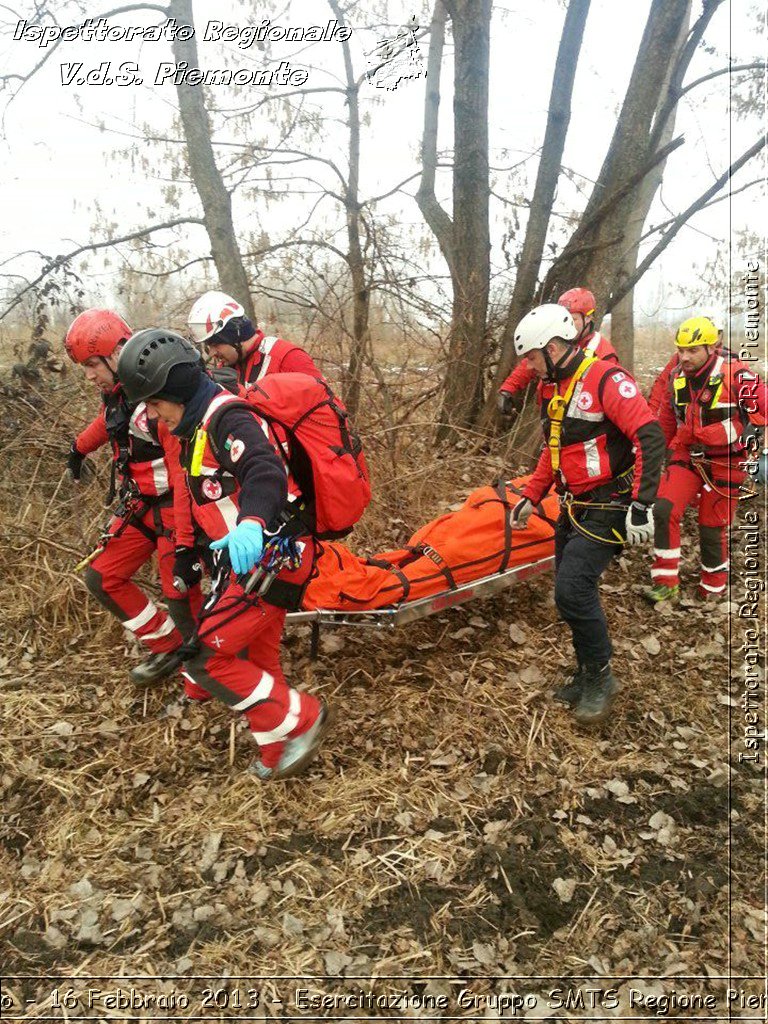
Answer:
(109, 579)
(239, 663)
(682, 485)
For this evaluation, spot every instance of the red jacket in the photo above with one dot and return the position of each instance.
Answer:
(709, 411)
(522, 375)
(607, 427)
(660, 389)
(143, 452)
(275, 355)
(137, 449)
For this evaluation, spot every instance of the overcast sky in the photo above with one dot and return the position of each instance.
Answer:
(58, 166)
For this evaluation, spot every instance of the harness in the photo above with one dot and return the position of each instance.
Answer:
(557, 408)
(621, 486)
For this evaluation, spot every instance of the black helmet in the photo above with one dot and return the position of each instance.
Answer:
(147, 359)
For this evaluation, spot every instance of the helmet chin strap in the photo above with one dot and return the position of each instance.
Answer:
(114, 375)
(559, 370)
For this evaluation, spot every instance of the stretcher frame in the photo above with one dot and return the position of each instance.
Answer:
(411, 611)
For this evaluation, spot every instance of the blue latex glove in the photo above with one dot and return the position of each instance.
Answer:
(245, 544)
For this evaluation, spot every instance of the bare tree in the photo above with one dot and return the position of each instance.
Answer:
(548, 175)
(464, 237)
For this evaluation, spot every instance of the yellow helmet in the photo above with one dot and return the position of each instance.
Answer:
(699, 330)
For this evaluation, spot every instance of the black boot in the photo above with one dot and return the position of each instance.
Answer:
(599, 686)
(158, 666)
(570, 690)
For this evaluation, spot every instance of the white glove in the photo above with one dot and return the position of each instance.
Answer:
(639, 523)
(518, 516)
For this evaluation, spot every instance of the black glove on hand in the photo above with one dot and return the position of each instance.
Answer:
(187, 569)
(75, 463)
(506, 404)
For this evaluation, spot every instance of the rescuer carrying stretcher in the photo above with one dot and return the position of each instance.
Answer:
(593, 415)
(705, 410)
(249, 505)
(145, 520)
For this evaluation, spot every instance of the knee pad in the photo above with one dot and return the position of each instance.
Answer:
(95, 584)
(662, 510)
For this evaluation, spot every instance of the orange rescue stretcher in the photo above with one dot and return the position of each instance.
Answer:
(469, 553)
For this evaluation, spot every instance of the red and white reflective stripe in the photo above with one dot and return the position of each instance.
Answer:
(260, 692)
(218, 401)
(670, 571)
(229, 512)
(592, 457)
(166, 628)
(666, 552)
(715, 568)
(287, 725)
(265, 347)
(145, 615)
(593, 343)
(713, 590)
(731, 432)
(160, 475)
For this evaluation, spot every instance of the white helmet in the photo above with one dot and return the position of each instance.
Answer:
(541, 325)
(210, 313)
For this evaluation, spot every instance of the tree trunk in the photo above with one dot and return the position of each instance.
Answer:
(216, 200)
(594, 255)
(558, 119)
(623, 313)
(463, 391)
(355, 259)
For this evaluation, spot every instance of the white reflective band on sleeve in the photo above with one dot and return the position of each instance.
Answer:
(229, 512)
(266, 346)
(166, 628)
(144, 616)
(160, 475)
(287, 725)
(666, 552)
(592, 457)
(260, 692)
(656, 573)
(731, 432)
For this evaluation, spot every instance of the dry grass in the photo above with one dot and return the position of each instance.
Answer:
(451, 801)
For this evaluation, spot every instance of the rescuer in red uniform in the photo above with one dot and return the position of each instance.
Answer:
(603, 453)
(710, 398)
(580, 303)
(240, 491)
(218, 322)
(145, 522)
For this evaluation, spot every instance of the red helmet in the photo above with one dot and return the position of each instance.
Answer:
(578, 300)
(95, 332)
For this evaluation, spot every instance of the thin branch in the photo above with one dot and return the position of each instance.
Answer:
(630, 282)
(59, 261)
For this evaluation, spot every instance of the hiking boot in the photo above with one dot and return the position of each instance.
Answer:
(570, 691)
(660, 592)
(297, 752)
(598, 687)
(158, 666)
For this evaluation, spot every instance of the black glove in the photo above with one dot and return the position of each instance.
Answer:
(187, 568)
(75, 463)
(506, 403)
